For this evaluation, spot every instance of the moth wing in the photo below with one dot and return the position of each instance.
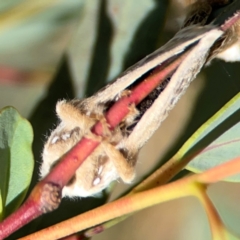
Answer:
(177, 44)
(180, 80)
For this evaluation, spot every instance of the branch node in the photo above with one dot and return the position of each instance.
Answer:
(51, 197)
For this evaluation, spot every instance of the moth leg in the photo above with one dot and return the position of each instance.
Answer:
(71, 115)
(200, 10)
(198, 13)
(125, 168)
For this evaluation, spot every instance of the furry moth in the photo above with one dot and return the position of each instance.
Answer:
(116, 156)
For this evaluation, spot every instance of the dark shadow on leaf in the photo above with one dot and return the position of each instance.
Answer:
(227, 124)
(101, 53)
(224, 126)
(5, 156)
(146, 38)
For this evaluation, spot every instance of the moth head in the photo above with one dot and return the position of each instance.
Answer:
(204, 12)
(229, 50)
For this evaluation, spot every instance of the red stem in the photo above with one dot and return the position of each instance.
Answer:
(27, 212)
(72, 160)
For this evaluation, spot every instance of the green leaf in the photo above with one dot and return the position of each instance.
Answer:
(1, 205)
(231, 236)
(16, 159)
(216, 141)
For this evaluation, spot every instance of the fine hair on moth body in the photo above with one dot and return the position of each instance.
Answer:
(105, 163)
(116, 156)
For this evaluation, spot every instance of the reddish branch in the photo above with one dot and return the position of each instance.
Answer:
(46, 195)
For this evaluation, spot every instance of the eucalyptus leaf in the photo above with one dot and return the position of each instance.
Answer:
(16, 159)
(216, 141)
(34, 33)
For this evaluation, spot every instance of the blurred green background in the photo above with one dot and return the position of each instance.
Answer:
(57, 49)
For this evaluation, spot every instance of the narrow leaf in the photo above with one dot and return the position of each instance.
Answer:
(216, 141)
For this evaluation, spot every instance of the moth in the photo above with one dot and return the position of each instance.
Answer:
(116, 156)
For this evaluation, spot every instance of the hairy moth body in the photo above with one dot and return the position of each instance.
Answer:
(116, 155)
